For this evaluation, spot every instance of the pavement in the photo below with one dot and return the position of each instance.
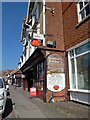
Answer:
(21, 106)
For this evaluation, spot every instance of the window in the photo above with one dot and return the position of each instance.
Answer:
(39, 75)
(79, 67)
(73, 74)
(83, 9)
(82, 72)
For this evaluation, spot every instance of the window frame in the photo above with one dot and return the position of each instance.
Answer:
(83, 8)
(75, 64)
(36, 74)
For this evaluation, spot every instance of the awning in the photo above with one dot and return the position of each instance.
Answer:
(38, 55)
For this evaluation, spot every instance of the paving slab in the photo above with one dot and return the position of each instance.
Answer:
(36, 108)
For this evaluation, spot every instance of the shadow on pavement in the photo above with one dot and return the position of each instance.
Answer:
(8, 93)
(8, 108)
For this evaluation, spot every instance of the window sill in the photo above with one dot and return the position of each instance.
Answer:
(82, 21)
(83, 91)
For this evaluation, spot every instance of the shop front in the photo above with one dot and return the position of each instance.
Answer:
(79, 68)
(45, 71)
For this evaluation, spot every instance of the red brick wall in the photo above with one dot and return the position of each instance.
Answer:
(54, 32)
(72, 34)
(40, 94)
(54, 24)
(58, 96)
(67, 77)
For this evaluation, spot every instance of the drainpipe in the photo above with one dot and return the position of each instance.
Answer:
(65, 76)
(44, 22)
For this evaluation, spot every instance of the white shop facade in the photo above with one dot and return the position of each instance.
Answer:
(79, 72)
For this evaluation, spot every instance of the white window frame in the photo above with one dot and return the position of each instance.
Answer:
(79, 11)
(75, 64)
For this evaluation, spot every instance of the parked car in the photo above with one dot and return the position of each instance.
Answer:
(3, 95)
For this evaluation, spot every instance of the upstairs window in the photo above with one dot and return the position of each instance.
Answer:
(83, 9)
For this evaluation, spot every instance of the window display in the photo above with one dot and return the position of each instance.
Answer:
(79, 67)
(82, 72)
(73, 74)
(38, 75)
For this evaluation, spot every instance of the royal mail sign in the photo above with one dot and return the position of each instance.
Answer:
(38, 36)
(35, 43)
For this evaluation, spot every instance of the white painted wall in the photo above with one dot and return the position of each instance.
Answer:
(32, 48)
(20, 65)
(80, 97)
(33, 20)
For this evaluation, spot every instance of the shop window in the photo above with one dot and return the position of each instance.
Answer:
(79, 67)
(40, 85)
(35, 72)
(73, 74)
(72, 53)
(83, 9)
(38, 75)
(82, 72)
(83, 48)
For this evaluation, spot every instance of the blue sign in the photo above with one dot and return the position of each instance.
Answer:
(83, 48)
(15, 81)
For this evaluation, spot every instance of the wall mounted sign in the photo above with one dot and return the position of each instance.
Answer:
(55, 72)
(83, 48)
(38, 36)
(56, 81)
(55, 63)
(35, 43)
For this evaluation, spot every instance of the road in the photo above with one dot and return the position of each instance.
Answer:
(19, 105)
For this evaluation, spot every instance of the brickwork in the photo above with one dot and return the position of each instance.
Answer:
(54, 24)
(54, 32)
(58, 96)
(73, 35)
(63, 28)
(67, 77)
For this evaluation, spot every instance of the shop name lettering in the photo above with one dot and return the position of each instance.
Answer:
(56, 70)
(55, 60)
(87, 46)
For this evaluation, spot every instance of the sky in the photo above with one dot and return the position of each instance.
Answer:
(12, 18)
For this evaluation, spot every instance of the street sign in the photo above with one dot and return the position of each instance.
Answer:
(35, 43)
(33, 91)
(38, 36)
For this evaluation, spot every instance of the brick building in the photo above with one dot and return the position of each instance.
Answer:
(77, 46)
(54, 32)
(56, 67)
(46, 61)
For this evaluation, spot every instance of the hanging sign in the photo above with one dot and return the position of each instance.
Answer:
(35, 43)
(38, 36)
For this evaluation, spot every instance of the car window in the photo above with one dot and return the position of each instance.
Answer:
(1, 83)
